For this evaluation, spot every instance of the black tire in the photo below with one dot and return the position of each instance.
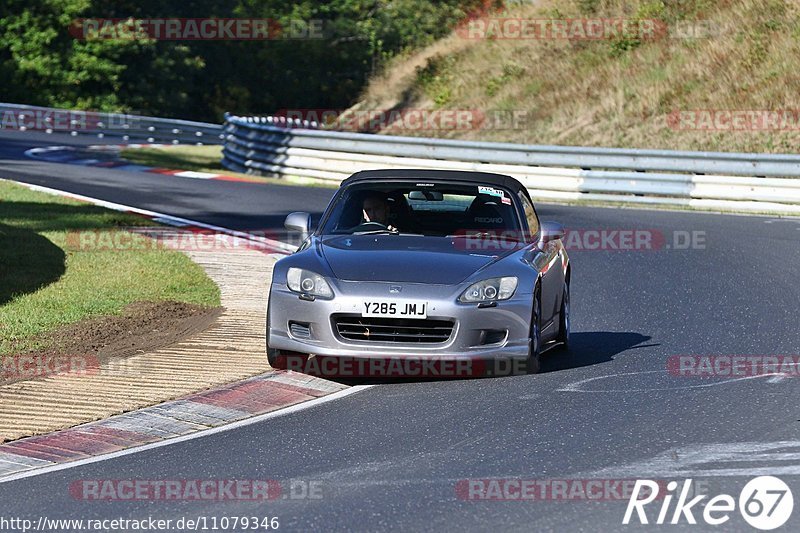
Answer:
(533, 364)
(564, 322)
(274, 358)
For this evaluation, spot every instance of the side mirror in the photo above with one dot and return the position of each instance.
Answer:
(299, 221)
(551, 231)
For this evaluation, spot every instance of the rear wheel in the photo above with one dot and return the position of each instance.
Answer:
(534, 363)
(564, 321)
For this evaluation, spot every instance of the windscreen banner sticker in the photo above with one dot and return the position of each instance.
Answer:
(491, 191)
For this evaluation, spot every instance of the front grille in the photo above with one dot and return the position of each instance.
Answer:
(425, 331)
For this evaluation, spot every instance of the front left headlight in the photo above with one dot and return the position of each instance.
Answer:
(490, 290)
(307, 282)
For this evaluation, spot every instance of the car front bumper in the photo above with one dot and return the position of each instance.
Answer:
(468, 340)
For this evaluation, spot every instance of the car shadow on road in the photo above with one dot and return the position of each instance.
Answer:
(586, 349)
(592, 348)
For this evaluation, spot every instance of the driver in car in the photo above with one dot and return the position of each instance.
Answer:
(375, 208)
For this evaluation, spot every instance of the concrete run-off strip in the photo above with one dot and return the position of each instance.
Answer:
(203, 411)
(231, 350)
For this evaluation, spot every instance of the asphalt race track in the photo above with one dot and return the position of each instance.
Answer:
(392, 456)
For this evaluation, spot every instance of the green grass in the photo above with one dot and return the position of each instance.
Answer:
(207, 159)
(620, 92)
(197, 158)
(46, 282)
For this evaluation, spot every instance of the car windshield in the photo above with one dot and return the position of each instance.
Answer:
(423, 209)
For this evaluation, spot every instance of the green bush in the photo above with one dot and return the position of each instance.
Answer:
(41, 63)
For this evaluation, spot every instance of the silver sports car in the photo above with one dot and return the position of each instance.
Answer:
(422, 265)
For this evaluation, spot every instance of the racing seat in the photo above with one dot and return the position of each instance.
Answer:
(487, 214)
(400, 211)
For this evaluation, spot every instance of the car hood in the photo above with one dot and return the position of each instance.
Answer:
(403, 258)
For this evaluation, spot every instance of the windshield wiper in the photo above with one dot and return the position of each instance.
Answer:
(483, 235)
(390, 232)
(468, 235)
(377, 232)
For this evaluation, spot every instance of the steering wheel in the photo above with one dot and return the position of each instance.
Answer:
(369, 226)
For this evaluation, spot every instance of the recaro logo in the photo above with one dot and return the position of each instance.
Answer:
(489, 220)
(765, 502)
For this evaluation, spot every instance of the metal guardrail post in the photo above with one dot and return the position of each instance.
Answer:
(125, 127)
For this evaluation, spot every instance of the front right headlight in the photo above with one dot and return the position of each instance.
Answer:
(490, 290)
(307, 282)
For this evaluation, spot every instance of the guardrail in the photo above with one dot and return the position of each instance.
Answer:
(707, 180)
(768, 183)
(125, 127)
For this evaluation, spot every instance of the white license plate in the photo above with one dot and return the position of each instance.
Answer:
(391, 309)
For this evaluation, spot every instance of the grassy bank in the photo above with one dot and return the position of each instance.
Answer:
(197, 158)
(621, 92)
(47, 281)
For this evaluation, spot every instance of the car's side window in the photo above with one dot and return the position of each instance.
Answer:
(530, 215)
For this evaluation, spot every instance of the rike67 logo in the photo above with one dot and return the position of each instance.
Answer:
(765, 503)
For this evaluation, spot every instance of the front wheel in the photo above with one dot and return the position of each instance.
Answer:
(534, 352)
(275, 359)
(564, 321)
